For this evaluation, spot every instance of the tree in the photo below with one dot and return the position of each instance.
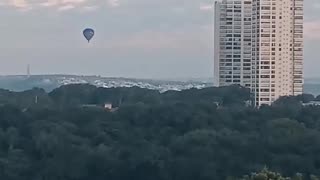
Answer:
(265, 174)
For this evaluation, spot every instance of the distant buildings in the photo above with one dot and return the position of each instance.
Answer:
(312, 103)
(259, 45)
(107, 106)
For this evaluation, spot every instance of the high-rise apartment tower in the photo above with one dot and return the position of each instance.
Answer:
(276, 47)
(233, 42)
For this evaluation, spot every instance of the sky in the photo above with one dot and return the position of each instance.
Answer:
(134, 38)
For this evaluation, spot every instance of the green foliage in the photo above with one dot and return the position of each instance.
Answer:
(204, 134)
(265, 174)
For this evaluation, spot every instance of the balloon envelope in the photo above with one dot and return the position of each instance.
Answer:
(88, 33)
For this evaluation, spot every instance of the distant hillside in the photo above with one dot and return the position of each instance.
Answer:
(50, 82)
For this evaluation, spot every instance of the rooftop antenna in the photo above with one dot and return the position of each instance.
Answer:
(120, 101)
(28, 70)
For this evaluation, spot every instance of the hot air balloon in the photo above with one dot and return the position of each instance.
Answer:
(88, 34)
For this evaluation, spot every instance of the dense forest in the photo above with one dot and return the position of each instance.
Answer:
(196, 134)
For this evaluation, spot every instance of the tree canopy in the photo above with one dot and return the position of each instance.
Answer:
(206, 134)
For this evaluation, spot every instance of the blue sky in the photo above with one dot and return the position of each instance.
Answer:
(134, 38)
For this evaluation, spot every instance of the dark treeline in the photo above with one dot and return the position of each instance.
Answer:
(206, 134)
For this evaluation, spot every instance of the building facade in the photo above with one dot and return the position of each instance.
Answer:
(276, 47)
(233, 36)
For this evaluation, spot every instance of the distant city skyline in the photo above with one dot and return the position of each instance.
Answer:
(139, 39)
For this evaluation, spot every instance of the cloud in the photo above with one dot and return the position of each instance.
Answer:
(20, 4)
(60, 5)
(72, 1)
(89, 8)
(66, 7)
(113, 3)
(206, 7)
(49, 3)
(312, 29)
